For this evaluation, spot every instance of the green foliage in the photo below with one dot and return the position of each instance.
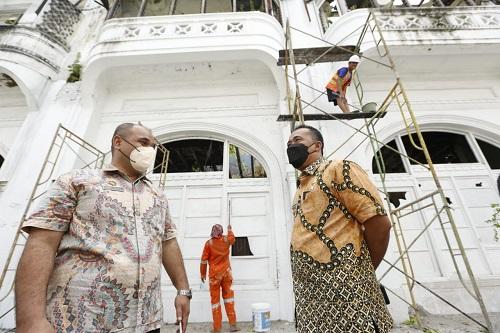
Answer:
(495, 219)
(412, 321)
(75, 71)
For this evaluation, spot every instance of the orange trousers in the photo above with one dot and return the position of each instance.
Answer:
(222, 281)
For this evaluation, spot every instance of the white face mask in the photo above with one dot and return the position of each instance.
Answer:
(142, 158)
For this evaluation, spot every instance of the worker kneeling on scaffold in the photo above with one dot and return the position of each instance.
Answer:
(337, 86)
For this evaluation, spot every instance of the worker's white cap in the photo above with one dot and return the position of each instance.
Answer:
(354, 58)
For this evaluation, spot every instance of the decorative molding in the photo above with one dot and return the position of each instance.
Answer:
(57, 21)
(444, 19)
(33, 44)
(220, 24)
(31, 54)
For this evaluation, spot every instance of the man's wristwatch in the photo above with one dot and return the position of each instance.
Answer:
(184, 292)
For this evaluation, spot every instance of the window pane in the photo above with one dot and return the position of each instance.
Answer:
(244, 165)
(444, 148)
(250, 5)
(194, 155)
(129, 8)
(219, 6)
(491, 153)
(391, 160)
(157, 7)
(187, 7)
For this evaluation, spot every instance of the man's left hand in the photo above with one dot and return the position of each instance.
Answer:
(182, 304)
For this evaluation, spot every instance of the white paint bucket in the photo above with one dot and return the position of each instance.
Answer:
(369, 107)
(261, 314)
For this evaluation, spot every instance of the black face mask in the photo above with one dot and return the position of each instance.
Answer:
(297, 154)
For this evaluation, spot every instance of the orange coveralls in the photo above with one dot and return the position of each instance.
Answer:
(216, 255)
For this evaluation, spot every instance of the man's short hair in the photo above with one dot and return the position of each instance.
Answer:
(315, 134)
(122, 130)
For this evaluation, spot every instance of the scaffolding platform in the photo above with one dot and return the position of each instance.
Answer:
(317, 54)
(333, 116)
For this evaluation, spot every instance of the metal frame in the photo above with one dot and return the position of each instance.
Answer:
(435, 201)
(62, 139)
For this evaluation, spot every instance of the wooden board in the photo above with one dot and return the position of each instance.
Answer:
(333, 116)
(310, 55)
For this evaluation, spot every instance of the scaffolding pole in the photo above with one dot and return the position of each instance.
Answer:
(397, 96)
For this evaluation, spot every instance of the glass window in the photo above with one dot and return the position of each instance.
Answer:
(218, 6)
(326, 11)
(356, 4)
(491, 152)
(391, 159)
(250, 5)
(444, 148)
(243, 165)
(187, 7)
(193, 155)
(1, 160)
(129, 8)
(157, 7)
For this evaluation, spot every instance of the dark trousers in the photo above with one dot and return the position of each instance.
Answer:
(332, 96)
(155, 331)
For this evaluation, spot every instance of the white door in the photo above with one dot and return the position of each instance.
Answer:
(241, 195)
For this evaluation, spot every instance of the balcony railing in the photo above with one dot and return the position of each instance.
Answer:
(137, 8)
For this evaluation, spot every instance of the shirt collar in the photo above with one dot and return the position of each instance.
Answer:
(311, 168)
(112, 168)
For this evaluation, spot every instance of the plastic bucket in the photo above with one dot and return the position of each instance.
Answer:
(369, 107)
(261, 314)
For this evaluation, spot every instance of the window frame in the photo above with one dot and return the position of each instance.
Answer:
(225, 158)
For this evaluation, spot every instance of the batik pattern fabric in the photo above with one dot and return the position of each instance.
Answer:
(335, 286)
(106, 276)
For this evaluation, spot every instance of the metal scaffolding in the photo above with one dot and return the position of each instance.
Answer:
(436, 201)
(64, 141)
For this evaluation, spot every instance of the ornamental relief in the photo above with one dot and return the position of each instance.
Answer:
(438, 20)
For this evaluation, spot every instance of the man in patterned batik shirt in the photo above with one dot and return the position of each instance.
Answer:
(97, 241)
(340, 236)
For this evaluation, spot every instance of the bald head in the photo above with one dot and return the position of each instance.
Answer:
(125, 130)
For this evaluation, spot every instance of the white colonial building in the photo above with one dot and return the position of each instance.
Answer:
(203, 75)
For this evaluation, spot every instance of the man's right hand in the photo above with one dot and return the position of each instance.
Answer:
(40, 326)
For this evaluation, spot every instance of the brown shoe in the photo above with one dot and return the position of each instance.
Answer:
(213, 330)
(233, 328)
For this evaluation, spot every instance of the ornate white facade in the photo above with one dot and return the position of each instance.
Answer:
(214, 76)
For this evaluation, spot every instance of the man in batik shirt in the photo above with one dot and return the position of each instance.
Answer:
(340, 236)
(97, 241)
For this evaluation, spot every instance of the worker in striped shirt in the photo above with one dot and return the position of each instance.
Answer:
(337, 86)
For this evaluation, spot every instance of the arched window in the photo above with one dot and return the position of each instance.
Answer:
(491, 153)
(443, 147)
(194, 155)
(204, 155)
(389, 159)
(243, 165)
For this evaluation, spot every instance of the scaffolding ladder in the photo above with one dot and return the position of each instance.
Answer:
(434, 201)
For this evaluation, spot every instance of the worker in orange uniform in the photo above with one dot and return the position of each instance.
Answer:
(337, 86)
(216, 255)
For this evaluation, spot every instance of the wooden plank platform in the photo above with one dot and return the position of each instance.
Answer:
(329, 116)
(308, 55)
